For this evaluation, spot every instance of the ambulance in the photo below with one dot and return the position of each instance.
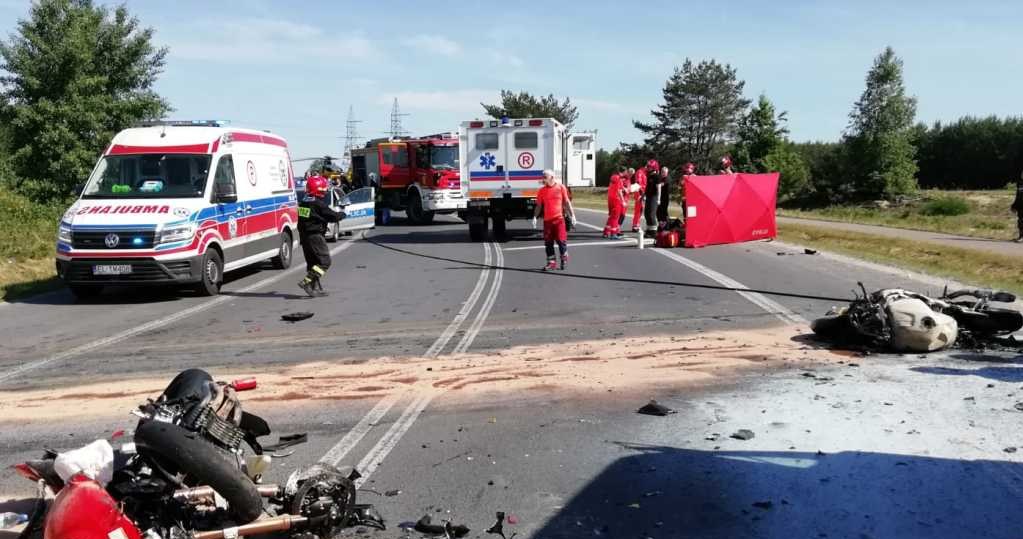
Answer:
(502, 164)
(180, 203)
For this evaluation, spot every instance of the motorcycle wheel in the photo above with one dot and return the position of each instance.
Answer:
(994, 321)
(202, 464)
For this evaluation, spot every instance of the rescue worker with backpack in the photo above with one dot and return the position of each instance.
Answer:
(554, 201)
(313, 216)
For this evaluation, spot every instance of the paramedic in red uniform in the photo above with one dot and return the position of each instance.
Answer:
(552, 199)
(688, 170)
(726, 165)
(654, 185)
(615, 206)
(638, 178)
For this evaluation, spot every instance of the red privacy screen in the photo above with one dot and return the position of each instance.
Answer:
(730, 208)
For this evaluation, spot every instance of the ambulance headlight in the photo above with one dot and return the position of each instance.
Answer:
(176, 233)
(64, 234)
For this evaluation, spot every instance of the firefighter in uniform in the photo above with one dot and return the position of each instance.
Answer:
(313, 216)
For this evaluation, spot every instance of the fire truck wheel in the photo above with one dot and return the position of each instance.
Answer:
(415, 212)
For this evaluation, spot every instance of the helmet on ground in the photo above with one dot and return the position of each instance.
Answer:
(689, 168)
(316, 186)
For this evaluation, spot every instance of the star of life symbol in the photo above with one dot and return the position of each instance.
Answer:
(487, 161)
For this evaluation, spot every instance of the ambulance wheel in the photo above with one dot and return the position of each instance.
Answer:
(85, 291)
(478, 231)
(283, 258)
(212, 269)
(415, 212)
(500, 226)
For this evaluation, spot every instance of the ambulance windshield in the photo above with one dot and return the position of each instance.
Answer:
(444, 157)
(149, 176)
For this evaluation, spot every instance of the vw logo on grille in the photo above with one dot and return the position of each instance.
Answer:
(111, 240)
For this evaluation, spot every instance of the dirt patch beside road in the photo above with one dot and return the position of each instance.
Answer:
(601, 365)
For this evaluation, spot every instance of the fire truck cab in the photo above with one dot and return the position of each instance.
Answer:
(419, 176)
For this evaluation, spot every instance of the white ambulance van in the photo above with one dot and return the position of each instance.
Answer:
(180, 203)
(502, 164)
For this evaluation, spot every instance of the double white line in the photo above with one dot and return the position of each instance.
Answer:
(491, 255)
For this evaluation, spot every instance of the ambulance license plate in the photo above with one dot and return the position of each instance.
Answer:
(111, 269)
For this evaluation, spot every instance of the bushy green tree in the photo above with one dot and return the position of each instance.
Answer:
(73, 75)
(879, 136)
(761, 132)
(794, 174)
(526, 105)
(607, 164)
(699, 117)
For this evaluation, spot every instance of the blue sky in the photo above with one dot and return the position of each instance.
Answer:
(295, 67)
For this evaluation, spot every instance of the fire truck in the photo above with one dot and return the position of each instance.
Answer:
(419, 176)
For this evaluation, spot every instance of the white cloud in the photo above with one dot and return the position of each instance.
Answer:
(434, 44)
(505, 59)
(251, 41)
(465, 101)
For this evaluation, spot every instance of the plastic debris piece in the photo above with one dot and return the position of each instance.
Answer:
(392, 493)
(425, 526)
(810, 251)
(296, 317)
(513, 520)
(498, 527)
(654, 408)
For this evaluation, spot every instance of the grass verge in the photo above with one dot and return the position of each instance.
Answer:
(22, 278)
(26, 245)
(987, 214)
(965, 265)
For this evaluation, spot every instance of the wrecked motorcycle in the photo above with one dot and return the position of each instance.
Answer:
(186, 476)
(905, 321)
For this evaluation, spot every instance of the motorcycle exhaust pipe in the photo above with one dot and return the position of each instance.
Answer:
(281, 523)
(206, 494)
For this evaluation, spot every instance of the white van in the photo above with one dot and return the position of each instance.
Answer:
(180, 203)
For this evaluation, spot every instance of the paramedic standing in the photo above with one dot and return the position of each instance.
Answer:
(552, 199)
(639, 192)
(665, 200)
(313, 216)
(687, 170)
(616, 203)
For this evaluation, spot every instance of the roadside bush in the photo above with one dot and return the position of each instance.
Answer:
(30, 228)
(946, 207)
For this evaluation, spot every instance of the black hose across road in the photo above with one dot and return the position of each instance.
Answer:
(604, 278)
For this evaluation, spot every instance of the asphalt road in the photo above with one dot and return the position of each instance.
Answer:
(887, 446)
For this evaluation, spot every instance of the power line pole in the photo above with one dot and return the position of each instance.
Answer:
(351, 138)
(396, 115)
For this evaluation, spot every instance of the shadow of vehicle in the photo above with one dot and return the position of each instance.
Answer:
(671, 492)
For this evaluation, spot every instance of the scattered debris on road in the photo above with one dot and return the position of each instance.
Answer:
(742, 434)
(426, 526)
(296, 317)
(498, 527)
(810, 251)
(392, 493)
(655, 408)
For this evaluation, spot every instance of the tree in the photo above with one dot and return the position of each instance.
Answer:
(526, 105)
(73, 75)
(879, 136)
(794, 173)
(699, 116)
(761, 132)
(607, 164)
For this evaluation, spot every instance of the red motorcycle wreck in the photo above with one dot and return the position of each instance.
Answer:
(187, 476)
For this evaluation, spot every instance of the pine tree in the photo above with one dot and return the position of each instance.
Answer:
(699, 116)
(761, 132)
(72, 76)
(880, 133)
(526, 105)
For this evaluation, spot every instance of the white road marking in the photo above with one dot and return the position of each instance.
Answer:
(359, 431)
(379, 452)
(769, 305)
(481, 316)
(155, 324)
(467, 307)
(605, 243)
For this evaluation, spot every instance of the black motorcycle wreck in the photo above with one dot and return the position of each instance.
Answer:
(902, 321)
(193, 471)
